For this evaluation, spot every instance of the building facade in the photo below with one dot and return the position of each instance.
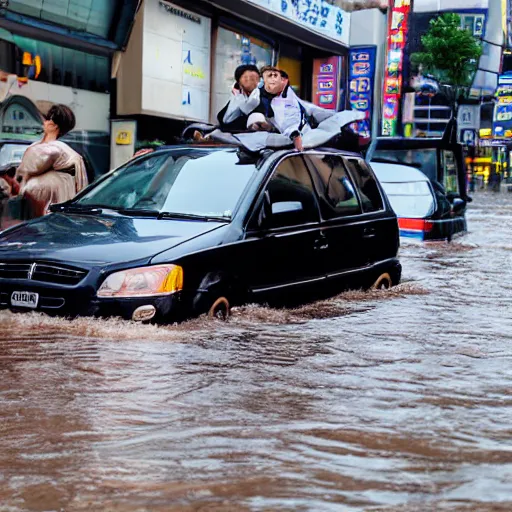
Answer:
(61, 52)
(180, 61)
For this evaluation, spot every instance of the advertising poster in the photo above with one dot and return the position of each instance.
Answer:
(502, 123)
(397, 37)
(362, 80)
(327, 92)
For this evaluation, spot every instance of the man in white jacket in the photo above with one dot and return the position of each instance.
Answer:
(275, 105)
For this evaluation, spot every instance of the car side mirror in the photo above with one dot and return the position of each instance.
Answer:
(458, 206)
(286, 207)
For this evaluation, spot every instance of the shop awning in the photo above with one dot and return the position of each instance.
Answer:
(489, 65)
(359, 5)
(102, 24)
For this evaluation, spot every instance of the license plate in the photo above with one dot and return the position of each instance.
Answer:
(24, 299)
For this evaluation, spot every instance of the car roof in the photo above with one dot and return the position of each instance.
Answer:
(396, 173)
(223, 147)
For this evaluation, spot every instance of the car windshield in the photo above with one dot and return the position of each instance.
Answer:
(183, 181)
(423, 159)
(410, 199)
(12, 154)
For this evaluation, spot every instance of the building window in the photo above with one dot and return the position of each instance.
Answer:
(232, 50)
(90, 16)
(33, 60)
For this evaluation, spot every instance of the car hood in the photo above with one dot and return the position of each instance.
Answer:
(100, 239)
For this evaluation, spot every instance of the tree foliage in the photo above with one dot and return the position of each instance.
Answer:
(450, 53)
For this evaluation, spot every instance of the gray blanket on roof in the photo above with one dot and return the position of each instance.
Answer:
(326, 130)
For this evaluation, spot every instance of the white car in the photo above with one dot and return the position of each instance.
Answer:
(422, 208)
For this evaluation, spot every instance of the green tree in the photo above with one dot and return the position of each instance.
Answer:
(450, 54)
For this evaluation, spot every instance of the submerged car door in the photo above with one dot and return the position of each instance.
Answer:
(342, 223)
(380, 234)
(283, 234)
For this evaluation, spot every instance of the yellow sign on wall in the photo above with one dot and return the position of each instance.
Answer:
(124, 138)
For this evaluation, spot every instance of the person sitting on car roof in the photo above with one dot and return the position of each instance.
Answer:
(233, 117)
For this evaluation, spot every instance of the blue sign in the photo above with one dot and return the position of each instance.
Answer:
(362, 82)
(468, 137)
(502, 125)
(318, 15)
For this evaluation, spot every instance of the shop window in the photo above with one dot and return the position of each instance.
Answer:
(92, 16)
(39, 61)
(294, 69)
(232, 50)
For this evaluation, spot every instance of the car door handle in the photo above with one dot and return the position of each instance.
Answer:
(321, 244)
(369, 233)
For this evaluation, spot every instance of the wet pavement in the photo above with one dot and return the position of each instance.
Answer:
(391, 400)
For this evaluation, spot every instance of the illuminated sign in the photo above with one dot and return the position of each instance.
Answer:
(397, 36)
(327, 92)
(362, 77)
(502, 122)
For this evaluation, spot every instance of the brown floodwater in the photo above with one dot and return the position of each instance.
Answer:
(391, 400)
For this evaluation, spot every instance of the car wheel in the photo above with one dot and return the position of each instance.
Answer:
(220, 309)
(384, 282)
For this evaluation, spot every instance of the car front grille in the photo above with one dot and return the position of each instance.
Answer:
(42, 271)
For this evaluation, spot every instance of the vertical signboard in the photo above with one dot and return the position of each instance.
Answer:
(502, 122)
(362, 78)
(396, 39)
(468, 122)
(327, 92)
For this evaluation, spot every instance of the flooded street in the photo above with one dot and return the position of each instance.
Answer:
(392, 400)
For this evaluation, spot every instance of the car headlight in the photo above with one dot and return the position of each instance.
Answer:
(143, 282)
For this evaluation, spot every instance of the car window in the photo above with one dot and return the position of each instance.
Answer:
(410, 199)
(423, 159)
(337, 186)
(191, 181)
(371, 199)
(12, 154)
(291, 182)
(451, 183)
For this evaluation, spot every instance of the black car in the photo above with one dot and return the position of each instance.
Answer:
(193, 229)
(441, 160)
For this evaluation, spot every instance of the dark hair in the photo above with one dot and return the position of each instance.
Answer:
(240, 70)
(63, 117)
(269, 68)
(284, 74)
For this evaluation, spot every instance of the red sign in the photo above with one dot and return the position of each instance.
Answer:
(326, 82)
(397, 36)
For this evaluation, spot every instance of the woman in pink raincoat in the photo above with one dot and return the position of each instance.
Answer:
(51, 172)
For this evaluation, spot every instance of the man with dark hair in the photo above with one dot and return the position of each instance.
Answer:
(279, 102)
(233, 116)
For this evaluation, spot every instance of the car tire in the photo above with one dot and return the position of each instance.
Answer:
(384, 282)
(220, 309)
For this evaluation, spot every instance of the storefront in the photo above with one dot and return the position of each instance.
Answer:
(180, 62)
(61, 52)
